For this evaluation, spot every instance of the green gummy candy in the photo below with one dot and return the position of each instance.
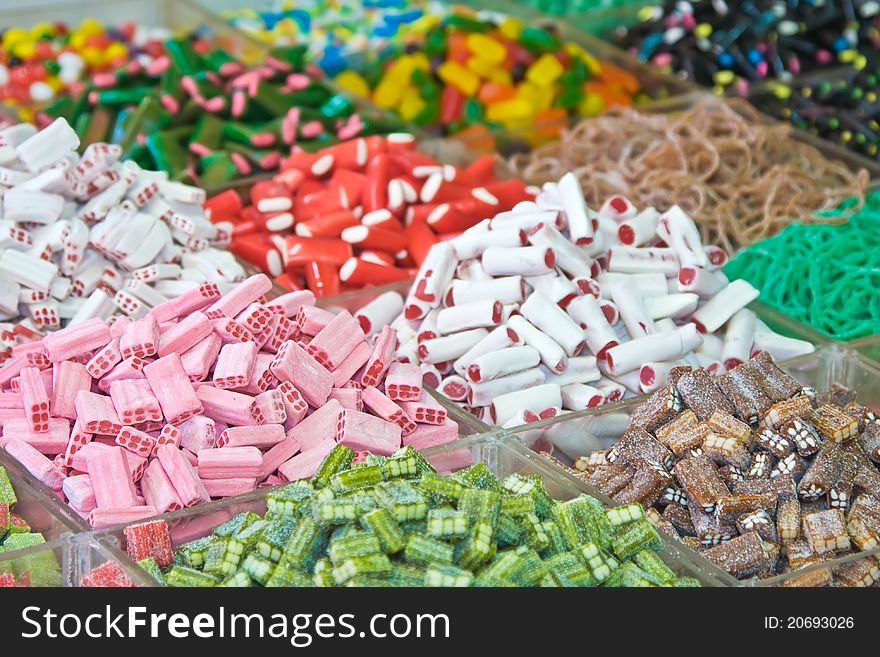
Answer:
(517, 505)
(153, 570)
(687, 582)
(533, 487)
(555, 540)
(258, 568)
(275, 537)
(406, 574)
(569, 569)
(337, 459)
(480, 505)
(634, 537)
(230, 527)
(239, 580)
(477, 548)
(440, 488)
(446, 523)
(286, 575)
(508, 531)
(601, 564)
(306, 544)
(407, 462)
(651, 563)
(371, 564)
(362, 477)
(7, 493)
(402, 500)
(478, 476)
(583, 520)
(241, 542)
(335, 511)
(447, 576)
(386, 529)
(183, 577)
(193, 554)
(620, 515)
(323, 573)
(21, 540)
(424, 550)
(213, 559)
(288, 500)
(629, 575)
(356, 544)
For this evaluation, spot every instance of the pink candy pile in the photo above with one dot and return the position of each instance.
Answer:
(207, 396)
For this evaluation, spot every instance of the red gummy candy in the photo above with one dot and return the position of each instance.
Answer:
(107, 575)
(7, 579)
(149, 539)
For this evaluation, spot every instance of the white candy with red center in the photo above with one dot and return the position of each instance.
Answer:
(607, 301)
(157, 430)
(88, 236)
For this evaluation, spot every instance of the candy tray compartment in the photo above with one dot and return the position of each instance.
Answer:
(581, 433)
(502, 454)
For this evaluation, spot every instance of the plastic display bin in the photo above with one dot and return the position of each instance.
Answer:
(501, 453)
(581, 433)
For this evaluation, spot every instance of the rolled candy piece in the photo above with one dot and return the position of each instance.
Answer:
(68, 378)
(431, 282)
(637, 260)
(336, 341)
(535, 399)
(158, 490)
(547, 316)
(587, 312)
(485, 313)
(518, 261)
(675, 306)
(228, 407)
(182, 475)
(629, 356)
(382, 406)
(230, 462)
(111, 479)
(35, 463)
(380, 360)
(473, 242)
(581, 369)
(450, 347)
(240, 297)
(579, 397)
(502, 362)
(640, 229)
(633, 311)
(482, 394)
(235, 365)
(723, 305)
(702, 282)
(104, 517)
(378, 313)
(501, 337)
(738, 338)
(73, 341)
(578, 215)
(172, 388)
(552, 355)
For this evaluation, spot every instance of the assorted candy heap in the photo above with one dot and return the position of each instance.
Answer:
(554, 306)
(824, 276)
(202, 115)
(722, 44)
(48, 59)
(85, 236)
(37, 569)
(842, 110)
(740, 179)
(207, 395)
(758, 472)
(395, 522)
(475, 70)
(362, 212)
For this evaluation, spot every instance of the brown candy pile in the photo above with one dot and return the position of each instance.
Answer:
(755, 471)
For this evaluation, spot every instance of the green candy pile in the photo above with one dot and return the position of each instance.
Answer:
(395, 522)
(825, 275)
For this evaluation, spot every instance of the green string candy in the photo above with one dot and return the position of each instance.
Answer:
(825, 275)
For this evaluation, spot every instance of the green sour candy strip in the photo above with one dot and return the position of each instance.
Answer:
(480, 505)
(508, 531)
(258, 568)
(386, 529)
(531, 568)
(193, 554)
(555, 540)
(241, 543)
(208, 131)
(213, 559)
(620, 515)
(517, 505)
(335, 511)
(445, 575)
(287, 574)
(635, 537)
(569, 570)
(440, 488)
(357, 544)
(166, 150)
(478, 476)
(306, 544)
(149, 564)
(687, 582)
(363, 477)
(7, 493)
(183, 56)
(294, 56)
(477, 548)
(651, 563)
(372, 564)
(446, 523)
(630, 575)
(217, 169)
(407, 463)
(274, 538)
(338, 459)
(290, 499)
(323, 573)
(533, 530)
(183, 577)
(17, 541)
(403, 501)
(423, 550)
(406, 574)
(601, 564)
(239, 580)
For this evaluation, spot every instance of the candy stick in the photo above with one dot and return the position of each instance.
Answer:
(289, 304)
(630, 355)
(134, 401)
(306, 463)
(172, 388)
(74, 341)
(738, 338)
(140, 339)
(35, 400)
(723, 305)
(450, 347)
(264, 437)
(271, 406)
(292, 363)
(319, 426)
(101, 518)
(110, 478)
(96, 413)
(702, 282)
(79, 493)
(360, 431)
(502, 362)
(579, 397)
(197, 360)
(554, 322)
(426, 410)
(230, 462)
(197, 433)
(235, 365)
(245, 293)
(130, 368)
(190, 301)
(185, 334)
(336, 340)
(352, 363)
(552, 355)
(35, 463)
(386, 409)
(482, 394)
(506, 289)
(380, 360)
(228, 407)
(295, 406)
(182, 475)
(518, 261)
(68, 378)
(535, 399)
(485, 313)
(581, 369)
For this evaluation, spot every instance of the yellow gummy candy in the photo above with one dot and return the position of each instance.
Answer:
(591, 105)
(456, 75)
(500, 76)
(91, 27)
(40, 30)
(93, 57)
(410, 106)
(724, 78)
(481, 67)
(353, 83)
(388, 93)
(486, 48)
(589, 61)
(116, 50)
(540, 98)
(545, 71)
(24, 49)
(511, 28)
(13, 36)
(509, 110)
